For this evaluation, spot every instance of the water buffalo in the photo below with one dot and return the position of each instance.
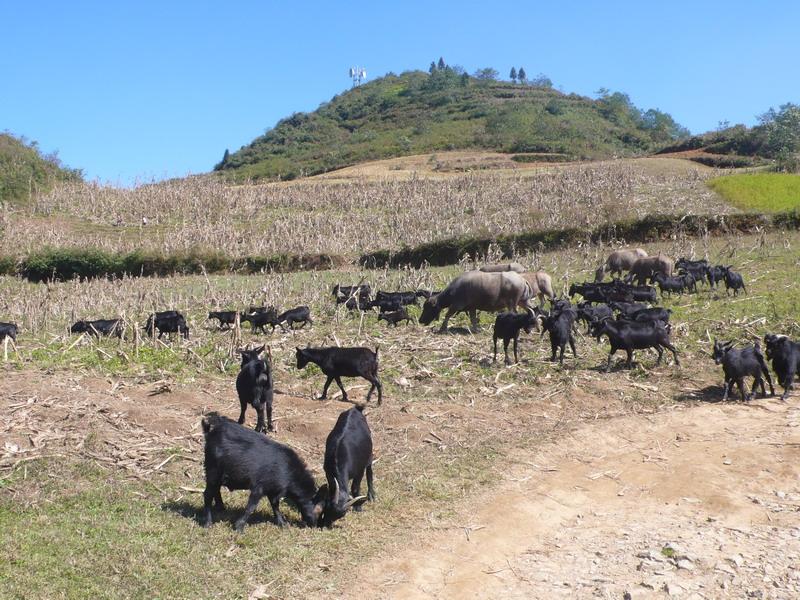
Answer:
(644, 269)
(514, 266)
(541, 285)
(619, 261)
(475, 290)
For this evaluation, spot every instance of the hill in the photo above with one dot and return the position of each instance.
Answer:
(417, 113)
(25, 171)
(775, 140)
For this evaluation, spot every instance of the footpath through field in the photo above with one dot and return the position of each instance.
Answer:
(701, 502)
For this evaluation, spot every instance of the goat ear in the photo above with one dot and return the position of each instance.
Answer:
(298, 348)
(258, 350)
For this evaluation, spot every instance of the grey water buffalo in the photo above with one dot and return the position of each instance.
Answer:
(513, 266)
(475, 290)
(619, 261)
(541, 284)
(644, 269)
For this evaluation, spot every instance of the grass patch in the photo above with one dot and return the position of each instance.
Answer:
(766, 192)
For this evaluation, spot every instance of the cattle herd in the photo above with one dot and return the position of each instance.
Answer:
(621, 310)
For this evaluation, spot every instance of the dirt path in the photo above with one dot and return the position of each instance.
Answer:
(591, 515)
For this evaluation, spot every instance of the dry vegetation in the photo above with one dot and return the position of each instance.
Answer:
(317, 216)
(119, 421)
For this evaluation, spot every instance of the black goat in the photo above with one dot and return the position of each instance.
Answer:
(559, 326)
(260, 319)
(589, 313)
(98, 327)
(785, 357)
(733, 281)
(507, 327)
(358, 303)
(405, 298)
(627, 309)
(715, 275)
(225, 317)
(386, 304)
(242, 459)
(348, 455)
(300, 314)
(8, 330)
(738, 364)
(347, 292)
(168, 321)
(343, 362)
(651, 314)
(395, 317)
(630, 336)
(254, 387)
(669, 285)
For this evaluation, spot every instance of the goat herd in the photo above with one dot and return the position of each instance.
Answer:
(241, 458)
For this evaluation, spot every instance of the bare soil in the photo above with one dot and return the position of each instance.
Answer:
(695, 502)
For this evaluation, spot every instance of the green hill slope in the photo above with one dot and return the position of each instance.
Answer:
(25, 171)
(417, 112)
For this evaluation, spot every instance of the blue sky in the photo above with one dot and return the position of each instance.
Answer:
(147, 90)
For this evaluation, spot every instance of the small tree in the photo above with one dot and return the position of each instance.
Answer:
(513, 74)
(487, 74)
(442, 65)
(221, 164)
(432, 68)
(521, 75)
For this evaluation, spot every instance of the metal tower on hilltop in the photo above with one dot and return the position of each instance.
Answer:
(358, 75)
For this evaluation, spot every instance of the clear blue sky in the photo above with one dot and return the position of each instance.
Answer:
(143, 90)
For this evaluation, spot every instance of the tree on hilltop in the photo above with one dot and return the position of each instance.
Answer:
(513, 74)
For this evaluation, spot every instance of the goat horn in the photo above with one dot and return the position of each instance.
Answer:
(353, 501)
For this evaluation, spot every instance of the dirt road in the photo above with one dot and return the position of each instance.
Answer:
(700, 502)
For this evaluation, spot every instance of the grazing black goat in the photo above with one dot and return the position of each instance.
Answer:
(225, 317)
(630, 336)
(168, 321)
(300, 314)
(738, 364)
(395, 317)
(559, 326)
(348, 455)
(8, 330)
(260, 319)
(98, 327)
(254, 386)
(785, 357)
(343, 362)
(242, 459)
(507, 327)
(733, 281)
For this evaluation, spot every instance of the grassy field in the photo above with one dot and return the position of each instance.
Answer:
(762, 192)
(102, 454)
(352, 216)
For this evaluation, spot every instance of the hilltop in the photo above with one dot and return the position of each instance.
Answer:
(417, 113)
(24, 170)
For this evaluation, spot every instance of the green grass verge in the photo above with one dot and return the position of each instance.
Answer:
(766, 192)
